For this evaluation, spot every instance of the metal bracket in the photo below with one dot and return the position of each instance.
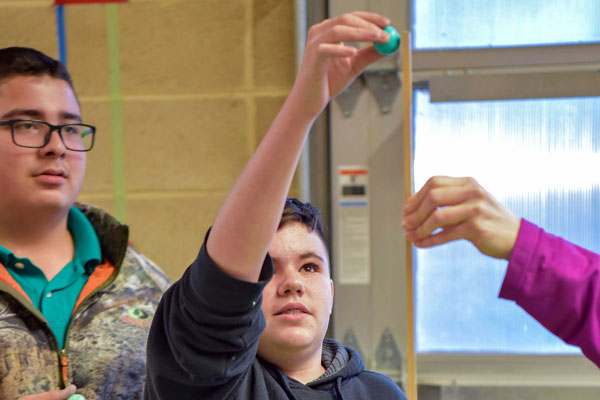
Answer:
(384, 85)
(348, 98)
(387, 355)
(383, 81)
(350, 340)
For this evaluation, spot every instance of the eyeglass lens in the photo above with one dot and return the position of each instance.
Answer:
(37, 134)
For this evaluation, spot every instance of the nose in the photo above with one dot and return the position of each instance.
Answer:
(290, 283)
(55, 146)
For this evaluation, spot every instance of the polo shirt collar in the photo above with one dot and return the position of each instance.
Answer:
(87, 246)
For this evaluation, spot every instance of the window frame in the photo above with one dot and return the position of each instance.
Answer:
(372, 138)
(507, 73)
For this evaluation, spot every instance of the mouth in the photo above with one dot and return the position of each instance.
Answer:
(53, 172)
(52, 176)
(292, 309)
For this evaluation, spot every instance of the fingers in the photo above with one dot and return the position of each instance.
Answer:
(415, 201)
(365, 57)
(443, 202)
(345, 33)
(448, 209)
(443, 218)
(53, 394)
(358, 19)
(495, 238)
(349, 28)
(374, 18)
(328, 66)
(68, 391)
(439, 191)
(337, 50)
(446, 235)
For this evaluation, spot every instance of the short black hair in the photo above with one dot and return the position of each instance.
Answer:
(24, 61)
(304, 213)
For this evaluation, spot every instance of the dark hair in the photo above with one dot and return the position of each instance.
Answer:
(23, 61)
(304, 213)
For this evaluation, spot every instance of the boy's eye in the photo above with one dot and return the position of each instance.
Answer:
(25, 126)
(310, 268)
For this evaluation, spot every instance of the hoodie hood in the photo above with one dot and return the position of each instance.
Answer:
(339, 362)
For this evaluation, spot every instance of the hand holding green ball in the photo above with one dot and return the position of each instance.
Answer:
(391, 45)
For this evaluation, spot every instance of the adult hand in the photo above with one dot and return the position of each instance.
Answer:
(52, 395)
(328, 66)
(461, 209)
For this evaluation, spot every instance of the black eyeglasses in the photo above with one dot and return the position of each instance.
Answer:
(36, 134)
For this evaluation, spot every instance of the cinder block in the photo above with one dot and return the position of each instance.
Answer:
(99, 173)
(182, 46)
(274, 43)
(103, 201)
(267, 108)
(184, 144)
(186, 134)
(169, 230)
(87, 48)
(31, 26)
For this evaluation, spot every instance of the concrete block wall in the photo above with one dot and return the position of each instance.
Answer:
(200, 82)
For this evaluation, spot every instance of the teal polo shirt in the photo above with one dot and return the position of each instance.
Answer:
(56, 299)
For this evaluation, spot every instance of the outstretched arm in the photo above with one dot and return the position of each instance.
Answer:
(556, 282)
(248, 219)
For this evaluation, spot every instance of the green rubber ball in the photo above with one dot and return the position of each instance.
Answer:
(391, 45)
(76, 397)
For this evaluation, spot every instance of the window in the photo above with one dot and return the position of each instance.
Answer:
(491, 23)
(539, 158)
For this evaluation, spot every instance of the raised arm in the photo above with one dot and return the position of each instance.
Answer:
(205, 333)
(248, 219)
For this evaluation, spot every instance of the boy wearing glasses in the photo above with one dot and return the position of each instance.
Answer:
(75, 300)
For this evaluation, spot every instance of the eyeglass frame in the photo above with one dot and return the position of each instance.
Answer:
(48, 135)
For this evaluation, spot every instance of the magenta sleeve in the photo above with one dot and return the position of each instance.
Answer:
(558, 283)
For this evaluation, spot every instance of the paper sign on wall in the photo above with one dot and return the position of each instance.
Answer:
(353, 235)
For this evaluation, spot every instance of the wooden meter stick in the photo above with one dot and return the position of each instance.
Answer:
(407, 110)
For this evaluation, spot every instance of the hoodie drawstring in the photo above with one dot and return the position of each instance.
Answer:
(338, 388)
(284, 380)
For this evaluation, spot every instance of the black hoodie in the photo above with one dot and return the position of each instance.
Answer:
(203, 344)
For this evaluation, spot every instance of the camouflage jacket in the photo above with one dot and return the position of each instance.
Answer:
(105, 349)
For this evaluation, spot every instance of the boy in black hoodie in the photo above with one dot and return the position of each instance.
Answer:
(248, 318)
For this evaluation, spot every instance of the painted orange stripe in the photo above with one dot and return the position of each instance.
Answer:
(8, 279)
(353, 172)
(98, 277)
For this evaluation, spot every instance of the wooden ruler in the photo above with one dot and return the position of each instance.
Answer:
(407, 111)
